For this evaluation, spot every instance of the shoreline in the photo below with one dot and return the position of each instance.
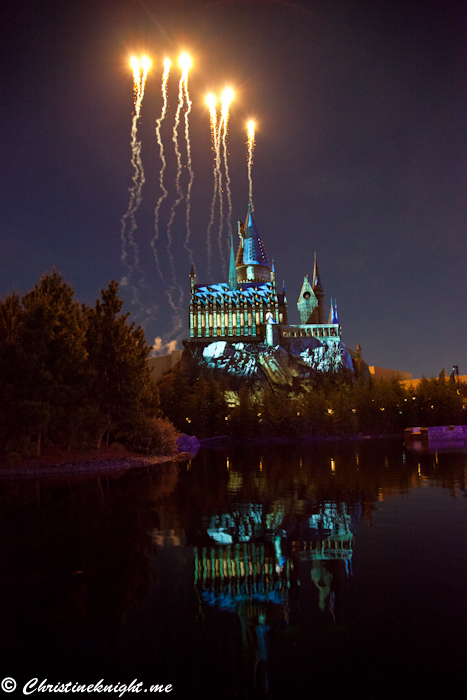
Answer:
(56, 462)
(227, 441)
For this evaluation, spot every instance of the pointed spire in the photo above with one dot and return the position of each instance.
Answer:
(252, 262)
(192, 272)
(317, 286)
(232, 268)
(331, 313)
(335, 315)
(273, 273)
(254, 249)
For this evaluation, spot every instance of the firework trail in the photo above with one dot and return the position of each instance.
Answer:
(251, 149)
(211, 102)
(185, 63)
(165, 78)
(227, 97)
(186, 67)
(140, 73)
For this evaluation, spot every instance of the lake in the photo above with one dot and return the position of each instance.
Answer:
(328, 569)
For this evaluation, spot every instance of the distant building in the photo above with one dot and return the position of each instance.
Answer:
(462, 378)
(385, 373)
(161, 364)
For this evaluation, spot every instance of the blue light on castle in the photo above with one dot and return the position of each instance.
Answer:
(248, 309)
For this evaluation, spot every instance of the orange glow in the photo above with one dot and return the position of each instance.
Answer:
(211, 101)
(185, 62)
(146, 63)
(227, 97)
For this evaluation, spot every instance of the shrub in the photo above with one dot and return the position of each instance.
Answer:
(153, 436)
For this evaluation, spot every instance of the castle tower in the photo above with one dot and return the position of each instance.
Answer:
(252, 262)
(319, 294)
(333, 317)
(307, 302)
(232, 269)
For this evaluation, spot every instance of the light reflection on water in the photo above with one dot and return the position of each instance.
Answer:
(333, 568)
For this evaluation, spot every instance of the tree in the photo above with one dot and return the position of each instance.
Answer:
(207, 407)
(244, 418)
(43, 354)
(69, 372)
(119, 387)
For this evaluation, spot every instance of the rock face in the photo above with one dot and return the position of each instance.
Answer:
(301, 358)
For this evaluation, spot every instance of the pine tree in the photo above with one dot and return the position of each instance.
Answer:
(119, 388)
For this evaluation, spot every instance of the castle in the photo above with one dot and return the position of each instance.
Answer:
(248, 308)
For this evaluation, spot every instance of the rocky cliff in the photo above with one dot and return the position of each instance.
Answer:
(296, 359)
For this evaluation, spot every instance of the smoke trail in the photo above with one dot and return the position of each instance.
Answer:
(140, 73)
(165, 78)
(178, 198)
(189, 166)
(227, 98)
(185, 63)
(251, 148)
(211, 102)
(220, 126)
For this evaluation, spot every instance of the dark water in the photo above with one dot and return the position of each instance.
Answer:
(325, 570)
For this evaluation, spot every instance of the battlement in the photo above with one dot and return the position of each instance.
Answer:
(277, 332)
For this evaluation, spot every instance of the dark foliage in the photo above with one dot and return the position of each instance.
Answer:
(328, 405)
(69, 374)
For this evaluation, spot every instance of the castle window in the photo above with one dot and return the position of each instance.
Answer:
(210, 320)
(203, 321)
(234, 319)
(250, 318)
(242, 320)
(257, 317)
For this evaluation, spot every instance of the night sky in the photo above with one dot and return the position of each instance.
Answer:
(360, 156)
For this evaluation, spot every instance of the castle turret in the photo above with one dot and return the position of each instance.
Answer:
(307, 303)
(319, 294)
(333, 317)
(252, 262)
(232, 269)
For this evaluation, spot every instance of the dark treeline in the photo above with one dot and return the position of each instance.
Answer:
(77, 377)
(73, 375)
(332, 405)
